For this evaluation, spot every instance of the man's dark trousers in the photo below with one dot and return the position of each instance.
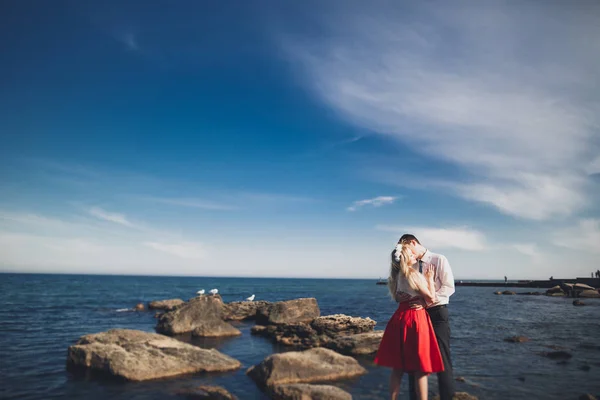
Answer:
(441, 326)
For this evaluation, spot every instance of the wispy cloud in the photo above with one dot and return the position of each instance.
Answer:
(129, 40)
(442, 238)
(193, 203)
(515, 113)
(585, 236)
(529, 249)
(108, 216)
(374, 202)
(188, 250)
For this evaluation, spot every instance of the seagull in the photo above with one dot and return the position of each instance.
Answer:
(200, 292)
(214, 291)
(251, 298)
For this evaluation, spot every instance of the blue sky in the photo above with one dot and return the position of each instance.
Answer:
(271, 139)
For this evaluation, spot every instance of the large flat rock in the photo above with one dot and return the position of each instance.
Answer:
(314, 365)
(291, 311)
(341, 324)
(243, 310)
(167, 305)
(139, 356)
(191, 315)
(216, 328)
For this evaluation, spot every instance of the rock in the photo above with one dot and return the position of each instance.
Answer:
(517, 339)
(460, 379)
(216, 328)
(138, 356)
(166, 305)
(157, 315)
(355, 345)
(340, 324)
(191, 315)
(578, 303)
(587, 397)
(555, 294)
(582, 286)
(508, 292)
(529, 293)
(139, 307)
(314, 365)
(207, 393)
(304, 391)
(459, 396)
(498, 292)
(590, 294)
(557, 355)
(291, 311)
(556, 291)
(243, 310)
(299, 335)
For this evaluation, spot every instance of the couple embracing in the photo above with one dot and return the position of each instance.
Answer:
(416, 340)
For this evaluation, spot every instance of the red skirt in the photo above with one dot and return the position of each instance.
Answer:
(409, 342)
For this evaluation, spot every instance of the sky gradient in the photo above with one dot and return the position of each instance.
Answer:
(299, 140)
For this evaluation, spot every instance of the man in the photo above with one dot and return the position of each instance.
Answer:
(438, 312)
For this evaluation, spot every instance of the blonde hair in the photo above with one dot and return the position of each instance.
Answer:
(401, 265)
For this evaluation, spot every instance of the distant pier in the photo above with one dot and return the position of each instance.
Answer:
(545, 284)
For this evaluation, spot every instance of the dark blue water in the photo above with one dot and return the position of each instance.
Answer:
(41, 315)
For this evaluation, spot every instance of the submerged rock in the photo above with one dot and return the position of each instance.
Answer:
(590, 294)
(166, 305)
(139, 307)
(508, 292)
(578, 303)
(207, 393)
(304, 391)
(138, 356)
(557, 355)
(516, 339)
(196, 313)
(314, 365)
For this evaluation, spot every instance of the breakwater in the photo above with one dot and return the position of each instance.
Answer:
(542, 284)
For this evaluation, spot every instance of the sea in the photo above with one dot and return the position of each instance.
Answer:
(42, 315)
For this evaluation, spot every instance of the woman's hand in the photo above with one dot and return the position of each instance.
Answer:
(429, 272)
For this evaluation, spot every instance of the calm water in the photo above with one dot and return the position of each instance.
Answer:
(41, 315)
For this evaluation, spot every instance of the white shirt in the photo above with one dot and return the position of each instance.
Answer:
(444, 280)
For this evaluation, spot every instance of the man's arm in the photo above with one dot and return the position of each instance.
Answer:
(446, 278)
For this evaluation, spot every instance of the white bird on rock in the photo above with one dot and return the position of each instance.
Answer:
(200, 292)
(214, 291)
(251, 298)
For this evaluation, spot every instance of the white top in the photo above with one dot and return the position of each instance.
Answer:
(444, 280)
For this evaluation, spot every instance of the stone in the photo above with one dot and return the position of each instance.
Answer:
(508, 292)
(590, 294)
(516, 339)
(557, 355)
(138, 356)
(243, 310)
(556, 291)
(555, 294)
(207, 393)
(460, 379)
(299, 335)
(304, 391)
(340, 324)
(166, 305)
(291, 311)
(314, 365)
(216, 328)
(459, 396)
(191, 315)
(582, 286)
(498, 292)
(578, 303)
(356, 345)
(139, 307)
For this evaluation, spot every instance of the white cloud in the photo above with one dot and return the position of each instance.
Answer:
(193, 203)
(442, 238)
(111, 217)
(187, 250)
(584, 237)
(529, 249)
(502, 92)
(375, 202)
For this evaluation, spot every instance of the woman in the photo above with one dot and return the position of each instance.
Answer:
(409, 343)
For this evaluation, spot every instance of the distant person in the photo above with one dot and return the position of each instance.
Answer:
(438, 312)
(552, 278)
(505, 279)
(409, 342)
(598, 273)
